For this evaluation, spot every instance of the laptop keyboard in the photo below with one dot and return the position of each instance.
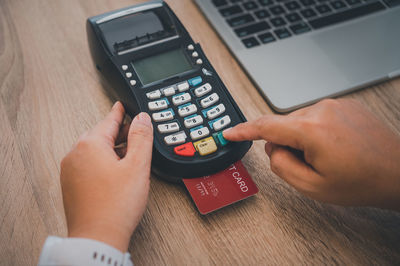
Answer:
(266, 21)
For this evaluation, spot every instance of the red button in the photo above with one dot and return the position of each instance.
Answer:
(186, 149)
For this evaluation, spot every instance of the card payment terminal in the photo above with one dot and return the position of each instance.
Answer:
(152, 65)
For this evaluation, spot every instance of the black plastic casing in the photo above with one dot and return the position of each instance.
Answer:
(165, 163)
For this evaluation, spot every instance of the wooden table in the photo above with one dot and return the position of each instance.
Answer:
(50, 93)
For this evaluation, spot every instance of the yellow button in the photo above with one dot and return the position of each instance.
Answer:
(205, 146)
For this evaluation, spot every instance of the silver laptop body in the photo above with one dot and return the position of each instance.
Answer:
(327, 62)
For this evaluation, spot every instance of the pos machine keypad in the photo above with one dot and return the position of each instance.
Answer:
(152, 65)
(190, 116)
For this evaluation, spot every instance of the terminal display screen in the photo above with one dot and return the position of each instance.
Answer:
(161, 66)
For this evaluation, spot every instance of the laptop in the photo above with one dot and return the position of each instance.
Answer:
(299, 51)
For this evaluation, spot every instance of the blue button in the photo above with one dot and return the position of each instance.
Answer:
(195, 81)
(165, 100)
(183, 105)
(206, 110)
(190, 116)
(196, 128)
(210, 123)
(169, 109)
(219, 138)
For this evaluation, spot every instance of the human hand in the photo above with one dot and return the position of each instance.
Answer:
(105, 192)
(347, 156)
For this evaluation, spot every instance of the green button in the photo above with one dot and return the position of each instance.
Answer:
(219, 138)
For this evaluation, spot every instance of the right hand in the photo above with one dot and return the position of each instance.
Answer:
(334, 151)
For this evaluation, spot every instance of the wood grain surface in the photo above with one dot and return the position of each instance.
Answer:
(50, 93)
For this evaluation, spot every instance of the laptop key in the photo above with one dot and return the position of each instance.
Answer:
(392, 3)
(229, 11)
(250, 5)
(338, 4)
(300, 28)
(276, 10)
(282, 33)
(266, 37)
(292, 5)
(322, 9)
(240, 20)
(293, 17)
(278, 21)
(247, 30)
(308, 13)
(353, 2)
(266, 2)
(346, 15)
(307, 2)
(250, 42)
(219, 3)
(262, 14)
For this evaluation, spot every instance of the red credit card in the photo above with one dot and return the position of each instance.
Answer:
(213, 192)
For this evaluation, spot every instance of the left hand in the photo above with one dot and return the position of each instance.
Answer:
(105, 192)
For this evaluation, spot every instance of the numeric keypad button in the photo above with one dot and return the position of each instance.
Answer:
(215, 111)
(221, 123)
(195, 81)
(163, 116)
(181, 98)
(202, 90)
(168, 127)
(187, 110)
(158, 105)
(209, 100)
(177, 138)
(153, 94)
(205, 146)
(193, 121)
(184, 86)
(169, 91)
(199, 133)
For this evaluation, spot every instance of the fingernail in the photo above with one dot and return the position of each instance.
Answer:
(115, 104)
(144, 119)
(268, 148)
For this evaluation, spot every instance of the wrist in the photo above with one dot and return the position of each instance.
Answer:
(114, 237)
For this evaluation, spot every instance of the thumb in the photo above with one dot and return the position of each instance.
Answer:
(292, 169)
(140, 139)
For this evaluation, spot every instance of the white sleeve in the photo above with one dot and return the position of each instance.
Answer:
(81, 251)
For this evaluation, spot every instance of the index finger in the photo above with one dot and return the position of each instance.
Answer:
(278, 129)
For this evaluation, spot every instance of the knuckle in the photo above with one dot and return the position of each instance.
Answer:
(82, 143)
(309, 124)
(351, 103)
(319, 120)
(64, 161)
(143, 131)
(276, 161)
(328, 108)
(262, 124)
(263, 120)
(329, 103)
(83, 136)
(274, 168)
